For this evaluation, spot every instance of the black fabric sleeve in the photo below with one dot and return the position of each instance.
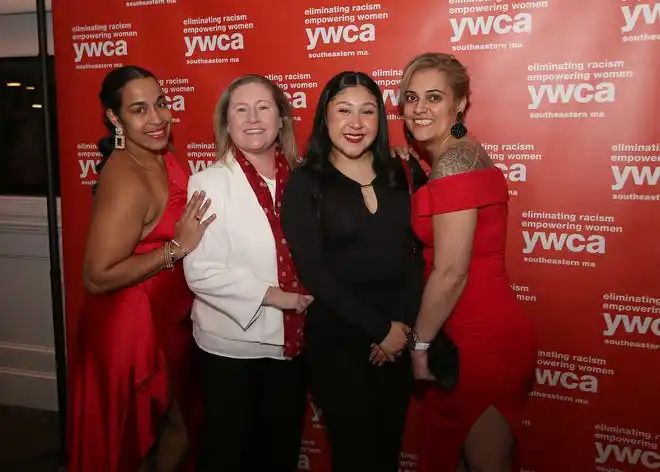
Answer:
(301, 226)
(410, 299)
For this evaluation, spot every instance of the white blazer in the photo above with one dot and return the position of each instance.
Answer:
(232, 268)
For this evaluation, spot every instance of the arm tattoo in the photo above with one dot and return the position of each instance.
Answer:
(462, 157)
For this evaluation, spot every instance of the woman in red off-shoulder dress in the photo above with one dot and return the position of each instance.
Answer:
(132, 403)
(460, 216)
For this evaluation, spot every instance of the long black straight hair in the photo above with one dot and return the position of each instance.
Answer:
(319, 146)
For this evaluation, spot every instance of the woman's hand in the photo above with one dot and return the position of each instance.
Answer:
(302, 302)
(420, 365)
(282, 300)
(396, 340)
(190, 227)
(378, 356)
(404, 153)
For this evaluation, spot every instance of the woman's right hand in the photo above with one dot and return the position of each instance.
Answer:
(404, 153)
(190, 227)
(282, 300)
(396, 339)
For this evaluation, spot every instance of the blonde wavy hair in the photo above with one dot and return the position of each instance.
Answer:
(285, 138)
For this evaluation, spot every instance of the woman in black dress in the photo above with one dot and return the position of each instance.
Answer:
(346, 216)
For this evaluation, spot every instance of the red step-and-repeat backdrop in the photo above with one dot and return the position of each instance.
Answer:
(565, 97)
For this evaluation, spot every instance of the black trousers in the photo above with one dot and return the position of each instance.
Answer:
(254, 413)
(363, 406)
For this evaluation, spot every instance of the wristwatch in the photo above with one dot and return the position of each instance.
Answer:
(417, 345)
(420, 346)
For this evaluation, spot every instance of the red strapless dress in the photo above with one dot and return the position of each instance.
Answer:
(495, 338)
(133, 344)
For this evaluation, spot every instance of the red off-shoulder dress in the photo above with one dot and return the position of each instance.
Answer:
(494, 336)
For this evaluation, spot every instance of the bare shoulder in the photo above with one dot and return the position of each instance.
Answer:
(460, 157)
(119, 181)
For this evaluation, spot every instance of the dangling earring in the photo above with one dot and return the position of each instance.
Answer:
(458, 130)
(120, 141)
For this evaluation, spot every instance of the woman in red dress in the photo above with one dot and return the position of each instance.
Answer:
(461, 218)
(131, 403)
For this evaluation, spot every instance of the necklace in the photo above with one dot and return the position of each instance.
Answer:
(351, 175)
(137, 160)
(439, 148)
(443, 142)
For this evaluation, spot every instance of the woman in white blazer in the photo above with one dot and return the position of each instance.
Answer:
(249, 307)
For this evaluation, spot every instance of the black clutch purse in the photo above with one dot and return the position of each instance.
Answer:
(443, 361)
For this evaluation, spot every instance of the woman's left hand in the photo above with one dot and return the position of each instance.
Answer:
(404, 153)
(420, 363)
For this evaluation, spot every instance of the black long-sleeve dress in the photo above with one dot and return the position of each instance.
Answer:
(358, 266)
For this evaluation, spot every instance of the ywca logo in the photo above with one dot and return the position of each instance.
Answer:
(638, 175)
(175, 90)
(516, 172)
(626, 455)
(98, 49)
(348, 30)
(88, 168)
(198, 166)
(552, 241)
(217, 43)
(485, 25)
(294, 86)
(337, 34)
(101, 41)
(391, 97)
(567, 379)
(297, 100)
(650, 13)
(564, 94)
(630, 324)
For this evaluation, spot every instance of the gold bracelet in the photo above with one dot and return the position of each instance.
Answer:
(178, 244)
(167, 256)
(169, 251)
(173, 254)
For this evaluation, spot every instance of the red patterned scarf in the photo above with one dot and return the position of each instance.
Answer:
(286, 271)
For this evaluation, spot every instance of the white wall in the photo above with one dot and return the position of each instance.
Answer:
(18, 35)
(27, 360)
(18, 28)
(27, 357)
(21, 6)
